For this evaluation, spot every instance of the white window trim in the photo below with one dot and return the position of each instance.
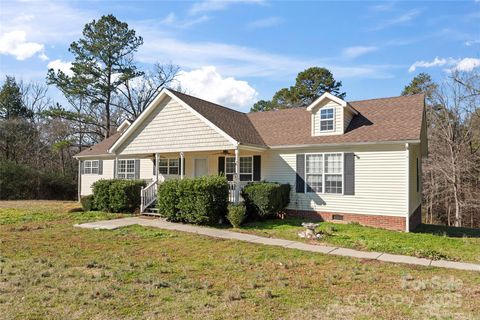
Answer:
(125, 173)
(320, 119)
(239, 173)
(323, 172)
(91, 166)
(168, 166)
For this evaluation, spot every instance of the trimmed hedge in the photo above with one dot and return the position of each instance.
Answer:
(87, 203)
(236, 214)
(117, 195)
(199, 201)
(265, 199)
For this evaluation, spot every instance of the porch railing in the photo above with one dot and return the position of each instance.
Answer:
(148, 195)
(231, 190)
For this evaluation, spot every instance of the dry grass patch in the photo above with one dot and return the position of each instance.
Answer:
(139, 273)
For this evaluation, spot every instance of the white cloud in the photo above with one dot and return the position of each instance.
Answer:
(171, 20)
(353, 52)
(208, 84)
(437, 62)
(465, 64)
(386, 6)
(265, 23)
(217, 5)
(44, 21)
(63, 66)
(406, 17)
(470, 43)
(15, 43)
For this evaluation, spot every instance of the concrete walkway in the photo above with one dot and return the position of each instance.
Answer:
(224, 234)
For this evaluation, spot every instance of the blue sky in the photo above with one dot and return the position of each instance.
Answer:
(236, 52)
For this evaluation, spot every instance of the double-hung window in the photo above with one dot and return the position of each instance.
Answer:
(324, 172)
(314, 172)
(90, 167)
(126, 169)
(327, 116)
(333, 173)
(246, 168)
(168, 166)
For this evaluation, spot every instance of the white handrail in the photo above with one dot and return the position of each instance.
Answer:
(231, 190)
(148, 195)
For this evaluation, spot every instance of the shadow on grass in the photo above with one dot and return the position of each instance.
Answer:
(447, 231)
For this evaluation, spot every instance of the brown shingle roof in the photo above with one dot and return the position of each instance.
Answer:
(100, 148)
(386, 119)
(234, 123)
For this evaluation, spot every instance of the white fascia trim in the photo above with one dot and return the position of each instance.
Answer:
(125, 124)
(349, 107)
(329, 96)
(162, 94)
(96, 156)
(343, 144)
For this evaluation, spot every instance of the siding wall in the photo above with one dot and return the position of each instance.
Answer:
(173, 128)
(338, 119)
(348, 115)
(415, 197)
(380, 181)
(146, 172)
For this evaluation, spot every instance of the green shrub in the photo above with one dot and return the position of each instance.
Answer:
(117, 195)
(265, 199)
(236, 214)
(200, 201)
(125, 195)
(101, 194)
(167, 200)
(87, 203)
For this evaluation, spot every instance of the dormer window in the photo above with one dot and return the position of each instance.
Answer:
(327, 116)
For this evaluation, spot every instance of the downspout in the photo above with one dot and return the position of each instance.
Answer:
(407, 202)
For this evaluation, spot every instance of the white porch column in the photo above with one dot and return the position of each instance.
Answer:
(115, 174)
(182, 160)
(157, 163)
(79, 180)
(236, 176)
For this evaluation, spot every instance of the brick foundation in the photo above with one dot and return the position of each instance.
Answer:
(416, 218)
(377, 221)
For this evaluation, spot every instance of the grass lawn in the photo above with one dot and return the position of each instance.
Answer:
(428, 241)
(51, 270)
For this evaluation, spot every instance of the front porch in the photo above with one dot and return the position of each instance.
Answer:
(240, 166)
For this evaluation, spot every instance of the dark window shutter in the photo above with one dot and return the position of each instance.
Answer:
(137, 168)
(114, 168)
(349, 174)
(100, 167)
(257, 168)
(300, 180)
(221, 165)
(154, 166)
(82, 164)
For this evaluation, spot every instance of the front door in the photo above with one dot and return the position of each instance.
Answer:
(201, 168)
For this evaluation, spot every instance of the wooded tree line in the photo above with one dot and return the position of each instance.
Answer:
(104, 86)
(451, 173)
(38, 136)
